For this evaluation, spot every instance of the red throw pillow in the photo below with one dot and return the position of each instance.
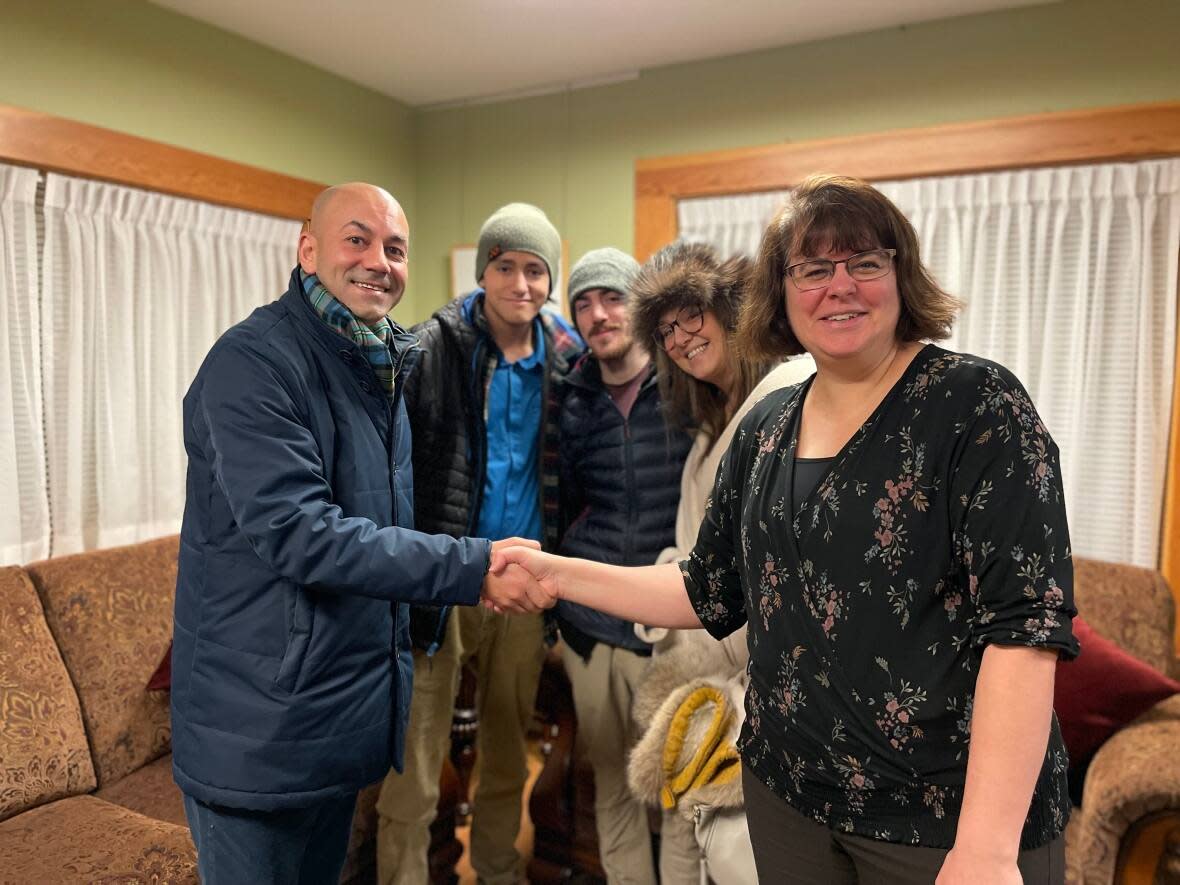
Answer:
(1102, 690)
(162, 679)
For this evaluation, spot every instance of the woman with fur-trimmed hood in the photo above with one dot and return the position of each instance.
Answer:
(684, 308)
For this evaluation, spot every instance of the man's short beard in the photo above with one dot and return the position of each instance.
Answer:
(617, 350)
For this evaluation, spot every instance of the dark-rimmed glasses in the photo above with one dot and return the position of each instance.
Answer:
(815, 273)
(689, 320)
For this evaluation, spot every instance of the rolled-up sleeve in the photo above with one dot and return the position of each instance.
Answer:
(712, 571)
(1011, 536)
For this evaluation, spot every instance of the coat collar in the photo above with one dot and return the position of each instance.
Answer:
(586, 374)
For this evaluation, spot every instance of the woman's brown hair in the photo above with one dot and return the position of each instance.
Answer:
(830, 212)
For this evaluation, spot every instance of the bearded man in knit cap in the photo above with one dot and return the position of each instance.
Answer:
(481, 404)
(620, 487)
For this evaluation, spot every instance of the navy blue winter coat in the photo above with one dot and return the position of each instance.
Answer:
(291, 661)
(620, 487)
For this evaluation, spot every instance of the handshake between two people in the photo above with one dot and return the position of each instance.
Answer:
(522, 579)
(518, 579)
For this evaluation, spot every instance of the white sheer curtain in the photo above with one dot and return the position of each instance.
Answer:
(1070, 279)
(24, 494)
(137, 287)
(731, 225)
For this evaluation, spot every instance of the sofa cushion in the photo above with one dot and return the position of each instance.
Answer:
(84, 839)
(111, 613)
(150, 791)
(161, 680)
(1133, 779)
(1130, 605)
(1102, 690)
(43, 751)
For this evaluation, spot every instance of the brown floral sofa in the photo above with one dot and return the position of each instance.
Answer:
(1127, 830)
(86, 790)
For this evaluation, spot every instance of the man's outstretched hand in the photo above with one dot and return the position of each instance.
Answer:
(509, 587)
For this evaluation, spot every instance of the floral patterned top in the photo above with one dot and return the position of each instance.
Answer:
(937, 529)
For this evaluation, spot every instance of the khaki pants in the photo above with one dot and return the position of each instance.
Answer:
(603, 690)
(508, 651)
(680, 855)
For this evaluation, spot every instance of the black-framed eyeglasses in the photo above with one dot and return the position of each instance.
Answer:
(815, 273)
(689, 320)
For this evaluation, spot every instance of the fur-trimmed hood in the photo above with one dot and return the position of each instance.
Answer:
(683, 274)
(688, 756)
(690, 707)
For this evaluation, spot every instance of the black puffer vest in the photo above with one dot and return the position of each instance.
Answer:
(620, 484)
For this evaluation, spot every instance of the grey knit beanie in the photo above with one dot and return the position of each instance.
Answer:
(607, 268)
(518, 227)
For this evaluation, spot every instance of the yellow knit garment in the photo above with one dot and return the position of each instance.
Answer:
(715, 760)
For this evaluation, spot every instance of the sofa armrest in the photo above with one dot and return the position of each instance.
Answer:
(1133, 776)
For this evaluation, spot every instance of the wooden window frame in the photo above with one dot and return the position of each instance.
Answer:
(54, 144)
(1132, 132)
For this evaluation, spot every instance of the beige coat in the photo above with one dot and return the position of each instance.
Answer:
(696, 482)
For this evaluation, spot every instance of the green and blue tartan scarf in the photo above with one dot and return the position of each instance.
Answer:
(375, 342)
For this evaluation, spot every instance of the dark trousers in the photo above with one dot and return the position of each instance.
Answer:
(294, 846)
(790, 849)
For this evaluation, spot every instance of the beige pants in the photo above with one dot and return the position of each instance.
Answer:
(680, 855)
(603, 689)
(508, 651)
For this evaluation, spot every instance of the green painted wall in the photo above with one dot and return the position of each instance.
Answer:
(137, 68)
(574, 154)
(134, 67)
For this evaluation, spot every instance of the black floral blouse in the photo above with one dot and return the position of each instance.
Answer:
(938, 528)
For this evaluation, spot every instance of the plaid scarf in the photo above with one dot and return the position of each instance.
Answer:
(375, 342)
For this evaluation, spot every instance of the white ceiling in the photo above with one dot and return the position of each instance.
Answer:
(442, 51)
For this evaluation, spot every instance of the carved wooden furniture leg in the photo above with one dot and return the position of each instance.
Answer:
(565, 844)
(464, 727)
(454, 802)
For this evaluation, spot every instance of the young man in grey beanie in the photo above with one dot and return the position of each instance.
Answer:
(620, 487)
(480, 394)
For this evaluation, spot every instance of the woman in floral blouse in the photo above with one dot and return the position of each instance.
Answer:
(893, 532)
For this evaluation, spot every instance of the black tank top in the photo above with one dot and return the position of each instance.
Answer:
(808, 473)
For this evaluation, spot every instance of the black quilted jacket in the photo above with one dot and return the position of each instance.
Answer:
(620, 487)
(446, 384)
